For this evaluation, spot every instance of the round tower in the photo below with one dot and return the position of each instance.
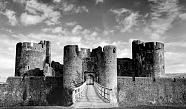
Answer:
(29, 57)
(110, 71)
(154, 59)
(72, 75)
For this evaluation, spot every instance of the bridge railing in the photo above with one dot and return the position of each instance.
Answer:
(78, 92)
(103, 92)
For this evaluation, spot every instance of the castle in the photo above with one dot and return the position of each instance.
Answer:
(135, 81)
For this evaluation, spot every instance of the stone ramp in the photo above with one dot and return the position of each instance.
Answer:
(90, 99)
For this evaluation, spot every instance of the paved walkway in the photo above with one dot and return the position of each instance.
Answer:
(91, 100)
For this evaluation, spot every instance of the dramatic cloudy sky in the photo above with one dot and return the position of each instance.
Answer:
(90, 23)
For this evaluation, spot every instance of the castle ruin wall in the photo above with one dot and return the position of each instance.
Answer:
(32, 91)
(146, 91)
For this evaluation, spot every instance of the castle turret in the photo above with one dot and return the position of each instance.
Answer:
(110, 71)
(154, 59)
(30, 56)
(72, 72)
(72, 75)
(148, 58)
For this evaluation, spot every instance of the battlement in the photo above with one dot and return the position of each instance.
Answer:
(71, 51)
(110, 48)
(143, 46)
(154, 45)
(148, 58)
(41, 46)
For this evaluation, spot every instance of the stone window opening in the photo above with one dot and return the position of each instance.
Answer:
(28, 67)
(114, 50)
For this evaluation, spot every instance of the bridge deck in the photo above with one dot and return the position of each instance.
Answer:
(90, 99)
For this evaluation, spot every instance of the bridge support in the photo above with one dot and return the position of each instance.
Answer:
(110, 72)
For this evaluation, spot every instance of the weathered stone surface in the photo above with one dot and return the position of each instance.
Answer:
(125, 67)
(72, 74)
(32, 91)
(146, 91)
(148, 58)
(110, 71)
(58, 68)
(30, 56)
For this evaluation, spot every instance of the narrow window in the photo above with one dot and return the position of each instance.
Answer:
(28, 67)
(114, 50)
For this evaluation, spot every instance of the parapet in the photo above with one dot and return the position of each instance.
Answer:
(71, 51)
(109, 48)
(154, 45)
(41, 46)
(137, 42)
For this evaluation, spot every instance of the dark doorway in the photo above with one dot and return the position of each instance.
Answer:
(90, 79)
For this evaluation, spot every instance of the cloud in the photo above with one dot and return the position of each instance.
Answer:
(11, 15)
(39, 12)
(71, 23)
(77, 29)
(69, 8)
(125, 18)
(56, 30)
(3, 4)
(183, 16)
(176, 44)
(56, 1)
(20, 1)
(176, 64)
(99, 1)
(28, 19)
(163, 13)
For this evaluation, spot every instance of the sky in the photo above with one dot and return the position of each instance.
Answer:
(93, 23)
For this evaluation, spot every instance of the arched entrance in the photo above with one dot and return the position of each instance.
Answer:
(89, 78)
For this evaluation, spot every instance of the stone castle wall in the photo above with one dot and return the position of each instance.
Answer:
(125, 67)
(146, 91)
(30, 56)
(35, 91)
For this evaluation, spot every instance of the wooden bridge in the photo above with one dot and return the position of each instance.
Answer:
(91, 96)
